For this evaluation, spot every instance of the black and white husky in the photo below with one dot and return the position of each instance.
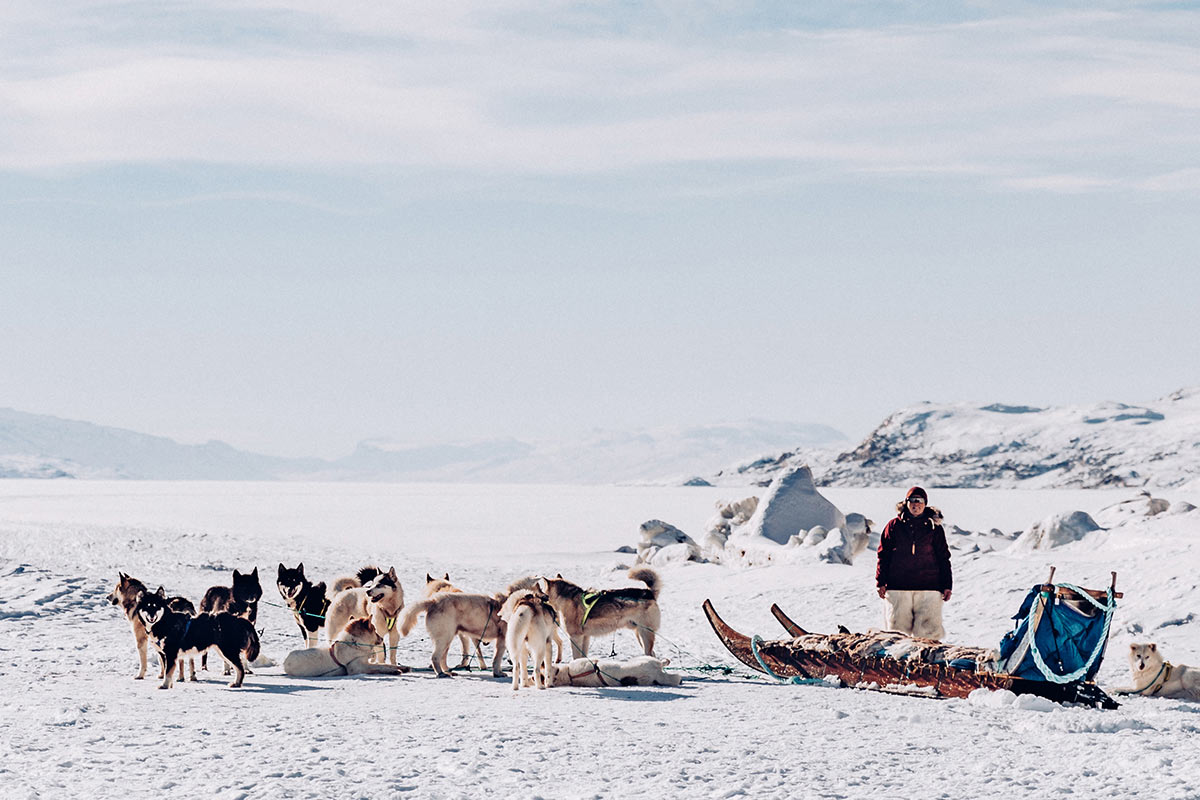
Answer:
(305, 599)
(175, 634)
(127, 594)
(241, 600)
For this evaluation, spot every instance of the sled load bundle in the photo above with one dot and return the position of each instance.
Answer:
(1054, 652)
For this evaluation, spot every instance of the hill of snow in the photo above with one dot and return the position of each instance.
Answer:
(38, 446)
(964, 445)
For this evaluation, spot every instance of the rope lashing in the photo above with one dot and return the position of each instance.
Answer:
(1107, 607)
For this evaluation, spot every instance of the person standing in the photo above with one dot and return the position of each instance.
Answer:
(913, 573)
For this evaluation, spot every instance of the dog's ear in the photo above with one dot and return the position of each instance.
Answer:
(543, 586)
(300, 568)
(446, 576)
(161, 592)
(558, 577)
(281, 567)
(123, 576)
(254, 574)
(1133, 647)
(1153, 647)
(392, 573)
(236, 574)
(320, 587)
(428, 578)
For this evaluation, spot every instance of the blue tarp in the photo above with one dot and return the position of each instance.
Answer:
(1065, 638)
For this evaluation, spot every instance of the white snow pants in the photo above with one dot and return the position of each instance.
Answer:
(915, 612)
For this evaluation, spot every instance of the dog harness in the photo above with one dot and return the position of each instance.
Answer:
(588, 601)
(334, 657)
(572, 678)
(1155, 685)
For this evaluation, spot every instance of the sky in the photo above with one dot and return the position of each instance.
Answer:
(294, 225)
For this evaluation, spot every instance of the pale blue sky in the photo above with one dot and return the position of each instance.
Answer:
(293, 225)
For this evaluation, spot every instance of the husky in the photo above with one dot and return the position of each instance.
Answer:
(447, 614)
(380, 598)
(530, 621)
(1153, 676)
(126, 594)
(637, 671)
(585, 614)
(175, 634)
(305, 599)
(436, 586)
(241, 600)
(349, 654)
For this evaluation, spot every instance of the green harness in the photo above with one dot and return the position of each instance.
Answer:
(589, 601)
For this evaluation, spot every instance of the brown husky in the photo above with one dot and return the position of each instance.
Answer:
(447, 614)
(585, 614)
(126, 594)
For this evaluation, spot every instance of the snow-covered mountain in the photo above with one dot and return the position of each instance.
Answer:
(41, 446)
(964, 445)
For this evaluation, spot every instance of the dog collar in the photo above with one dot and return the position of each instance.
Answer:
(334, 657)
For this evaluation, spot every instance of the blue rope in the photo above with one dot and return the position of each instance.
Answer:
(795, 679)
(1107, 607)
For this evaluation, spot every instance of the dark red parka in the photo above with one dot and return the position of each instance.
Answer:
(913, 554)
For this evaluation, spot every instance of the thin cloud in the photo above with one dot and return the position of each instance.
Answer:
(502, 88)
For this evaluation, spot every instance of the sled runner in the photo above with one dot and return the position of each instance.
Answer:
(1057, 662)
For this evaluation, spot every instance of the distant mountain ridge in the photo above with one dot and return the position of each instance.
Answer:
(41, 446)
(968, 446)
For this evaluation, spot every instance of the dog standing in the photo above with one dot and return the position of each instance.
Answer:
(448, 614)
(530, 621)
(305, 599)
(637, 671)
(436, 586)
(1154, 676)
(174, 634)
(126, 594)
(586, 614)
(240, 599)
(348, 654)
(380, 598)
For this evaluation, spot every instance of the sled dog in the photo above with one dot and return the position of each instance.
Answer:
(380, 598)
(126, 594)
(305, 599)
(349, 654)
(447, 614)
(637, 671)
(585, 614)
(1154, 676)
(174, 634)
(436, 586)
(241, 600)
(530, 622)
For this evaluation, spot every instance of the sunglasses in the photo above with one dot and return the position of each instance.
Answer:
(915, 501)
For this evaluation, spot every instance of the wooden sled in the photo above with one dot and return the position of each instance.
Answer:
(881, 673)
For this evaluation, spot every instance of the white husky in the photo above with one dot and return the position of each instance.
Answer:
(531, 624)
(348, 655)
(1153, 676)
(380, 598)
(637, 671)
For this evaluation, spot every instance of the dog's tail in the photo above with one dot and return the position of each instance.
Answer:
(252, 647)
(648, 577)
(413, 614)
(367, 574)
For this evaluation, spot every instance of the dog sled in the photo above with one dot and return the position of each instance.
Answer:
(1053, 651)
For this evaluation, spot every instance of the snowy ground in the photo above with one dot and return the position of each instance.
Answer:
(73, 721)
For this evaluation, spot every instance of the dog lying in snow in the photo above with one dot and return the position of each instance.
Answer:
(1153, 676)
(349, 654)
(637, 671)
(531, 623)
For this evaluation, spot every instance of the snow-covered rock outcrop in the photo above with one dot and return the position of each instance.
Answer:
(1056, 530)
(790, 505)
(1006, 446)
(663, 543)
